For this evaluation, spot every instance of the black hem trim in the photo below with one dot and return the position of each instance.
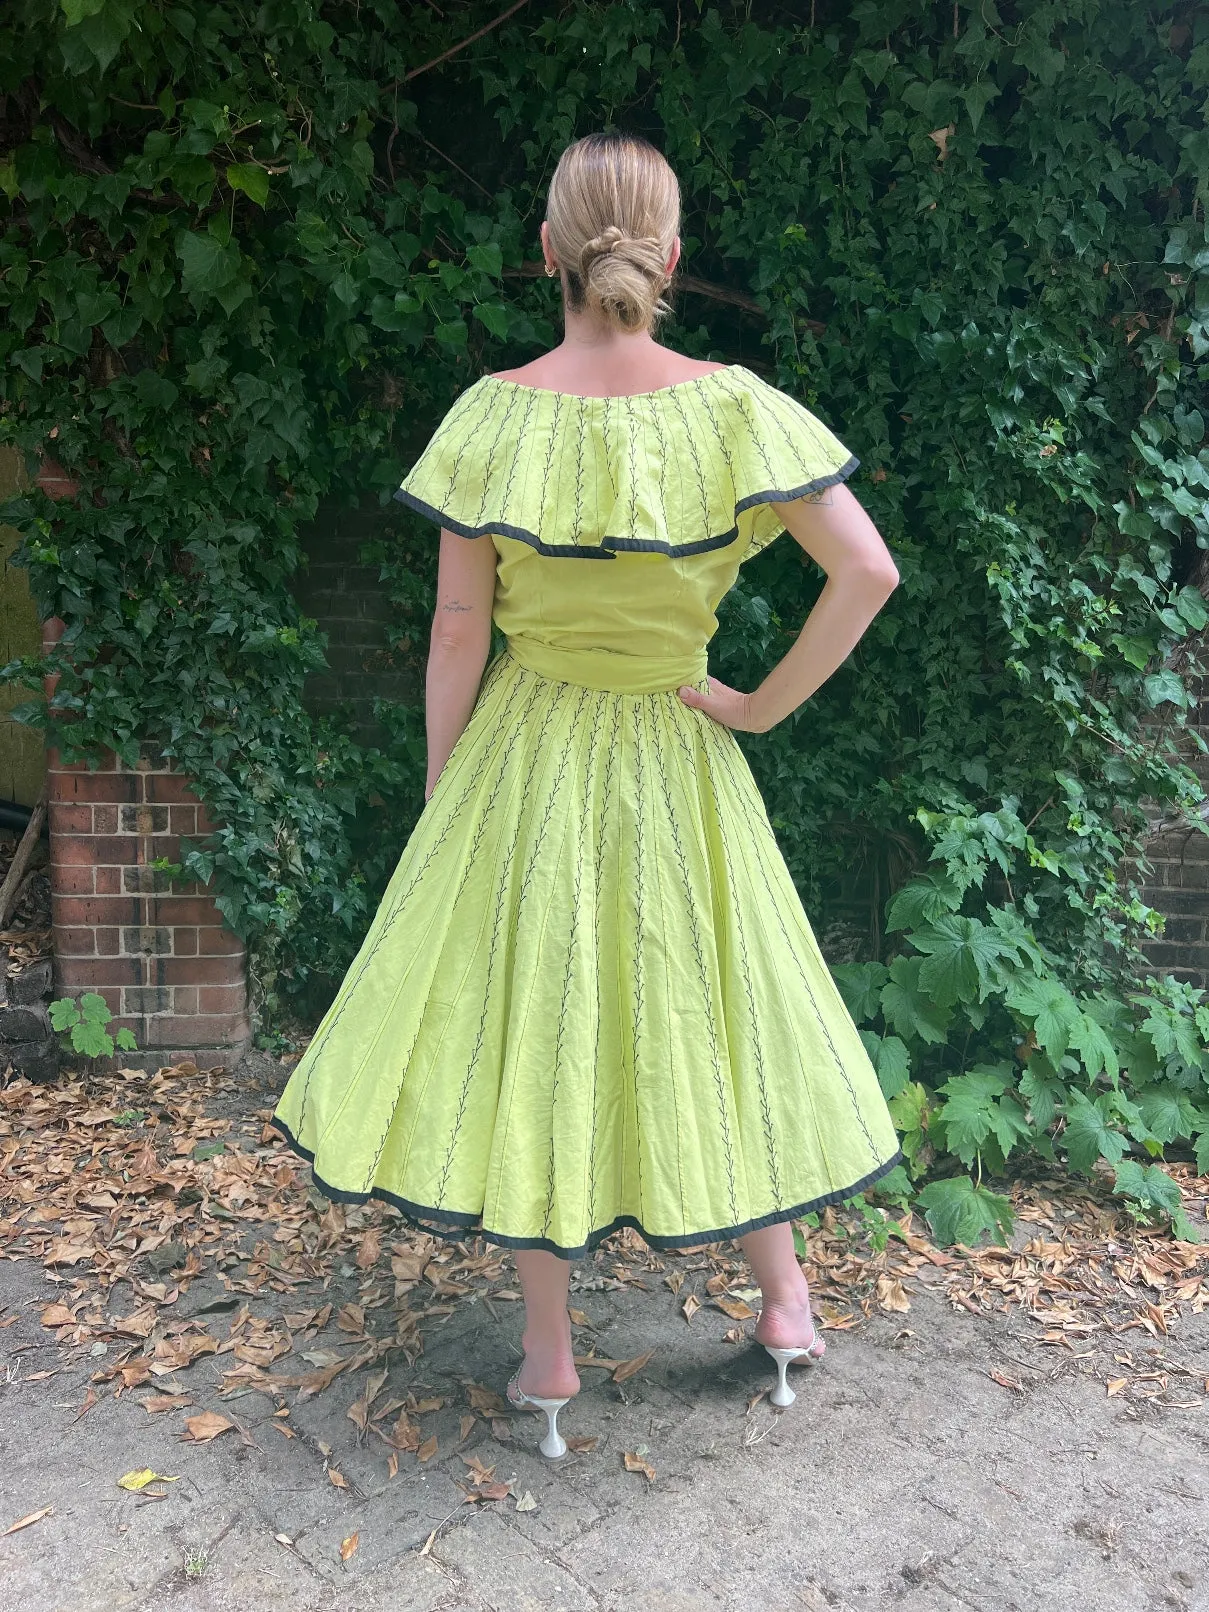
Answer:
(607, 548)
(454, 1226)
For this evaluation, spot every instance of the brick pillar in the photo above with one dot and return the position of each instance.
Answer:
(160, 954)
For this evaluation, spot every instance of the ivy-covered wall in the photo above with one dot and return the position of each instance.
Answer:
(248, 258)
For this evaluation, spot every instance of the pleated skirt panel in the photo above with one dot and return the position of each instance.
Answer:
(590, 996)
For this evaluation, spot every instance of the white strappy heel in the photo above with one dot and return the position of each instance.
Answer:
(783, 1394)
(553, 1444)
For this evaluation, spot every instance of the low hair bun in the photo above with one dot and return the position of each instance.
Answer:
(614, 211)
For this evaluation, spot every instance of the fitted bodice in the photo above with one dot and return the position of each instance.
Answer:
(620, 523)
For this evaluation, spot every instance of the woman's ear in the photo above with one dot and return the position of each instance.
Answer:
(675, 257)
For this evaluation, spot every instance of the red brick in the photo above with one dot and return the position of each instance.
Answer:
(190, 910)
(200, 1030)
(184, 999)
(199, 970)
(97, 971)
(68, 818)
(77, 910)
(205, 823)
(104, 819)
(213, 941)
(108, 880)
(96, 849)
(109, 942)
(184, 942)
(76, 942)
(104, 761)
(168, 788)
(70, 881)
(75, 786)
(220, 998)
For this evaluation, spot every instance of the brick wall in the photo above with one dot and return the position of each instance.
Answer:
(159, 954)
(1178, 885)
(365, 654)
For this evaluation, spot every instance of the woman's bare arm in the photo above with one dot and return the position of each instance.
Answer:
(861, 575)
(459, 643)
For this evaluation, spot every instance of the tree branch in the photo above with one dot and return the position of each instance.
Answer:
(462, 43)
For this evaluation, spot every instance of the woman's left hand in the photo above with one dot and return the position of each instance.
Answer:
(726, 705)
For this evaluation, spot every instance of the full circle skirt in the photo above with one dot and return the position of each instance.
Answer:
(590, 997)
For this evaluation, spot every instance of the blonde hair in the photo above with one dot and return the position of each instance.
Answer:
(614, 212)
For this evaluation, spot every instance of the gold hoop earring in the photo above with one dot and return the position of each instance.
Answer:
(551, 272)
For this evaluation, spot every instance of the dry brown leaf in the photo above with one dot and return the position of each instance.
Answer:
(578, 1318)
(1005, 1381)
(57, 1315)
(369, 1250)
(526, 1502)
(582, 1443)
(24, 1522)
(737, 1309)
(627, 1368)
(392, 1465)
(466, 1425)
(484, 1399)
(428, 1449)
(1116, 1384)
(349, 1545)
(690, 1306)
(337, 1478)
(635, 1463)
(206, 1425)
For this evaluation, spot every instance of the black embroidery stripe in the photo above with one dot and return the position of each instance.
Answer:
(735, 909)
(605, 418)
(457, 1227)
(631, 469)
(577, 520)
(489, 462)
(488, 754)
(548, 468)
(569, 967)
(606, 800)
(469, 862)
(515, 458)
(639, 919)
(503, 877)
(707, 997)
(698, 472)
(791, 946)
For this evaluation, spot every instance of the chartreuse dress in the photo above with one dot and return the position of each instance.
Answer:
(590, 997)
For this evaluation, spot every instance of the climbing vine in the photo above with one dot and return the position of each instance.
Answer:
(248, 257)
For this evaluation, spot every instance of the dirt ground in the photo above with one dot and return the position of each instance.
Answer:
(317, 1389)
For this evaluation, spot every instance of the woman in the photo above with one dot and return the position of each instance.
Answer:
(590, 997)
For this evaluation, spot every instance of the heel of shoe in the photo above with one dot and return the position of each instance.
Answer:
(783, 1394)
(553, 1444)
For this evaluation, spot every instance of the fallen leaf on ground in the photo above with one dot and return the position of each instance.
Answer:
(578, 1318)
(155, 1403)
(34, 1516)
(635, 1463)
(428, 1449)
(628, 1367)
(526, 1502)
(690, 1306)
(338, 1478)
(348, 1546)
(1004, 1381)
(583, 1443)
(1116, 1384)
(206, 1425)
(140, 1480)
(737, 1309)
(466, 1425)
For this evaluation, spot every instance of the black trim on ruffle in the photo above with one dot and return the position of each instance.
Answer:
(453, 1226)
(605, 549)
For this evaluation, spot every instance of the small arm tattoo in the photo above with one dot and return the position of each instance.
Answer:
(455, 605)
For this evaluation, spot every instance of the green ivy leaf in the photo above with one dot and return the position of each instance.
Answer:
(1089, 1134)
(251, 179)
(959, 1212)
(908, 1010)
